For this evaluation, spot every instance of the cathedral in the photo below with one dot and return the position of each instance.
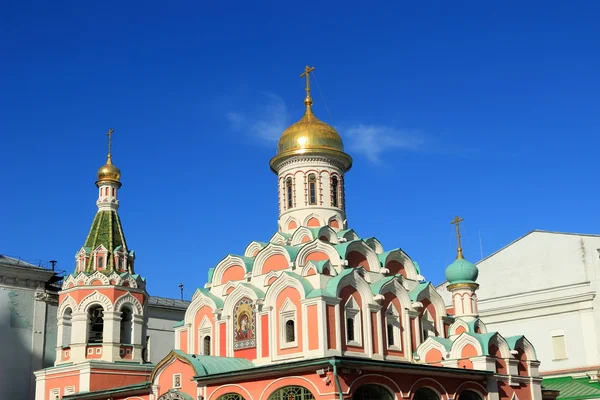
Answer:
(315, 312)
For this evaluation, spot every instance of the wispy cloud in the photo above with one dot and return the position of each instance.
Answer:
(374, 140)
(267, 121)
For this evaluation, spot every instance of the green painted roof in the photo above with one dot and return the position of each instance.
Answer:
(580, 388)
(292, 251)
(417, 267)
(305, 283)
(259, 293)
(211, 272)
(180, 323)
(461, 270)
(107, 231)
(217, 300)
(211, 365)
(333, 283)
(376, 287)
(414, 294)
(342, 247)
(447, 343)
(320, 264)
(320, 293)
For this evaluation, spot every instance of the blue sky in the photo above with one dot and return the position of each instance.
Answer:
(488, 110)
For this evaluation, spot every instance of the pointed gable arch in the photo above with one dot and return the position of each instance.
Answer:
(458, 327)
(199, 300)
(428, 345)
(313, 221)
(358, 253)
(428, 294)
(273, 257)
(253, 248)
(398, 262)
(374, 244)
(300, 236)
(461, 342)
(501, 343)
(327, 233)
(525, 345)
(231, 268)
(394, 286)
(348, 235)
(69, 282)
(129, 299)
(351, 277)
(285, 280)
(243, 290)
(278, 238)
(95, 298)
(68, 302)
(317, 250)
(290, 224)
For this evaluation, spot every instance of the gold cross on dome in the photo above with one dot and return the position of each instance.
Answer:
(109, 134)
(306, 74)
(456, 221)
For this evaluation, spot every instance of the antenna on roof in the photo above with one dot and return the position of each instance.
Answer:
(181, 290)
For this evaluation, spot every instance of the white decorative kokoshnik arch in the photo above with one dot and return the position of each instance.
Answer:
(360, 246)
(223, 265)
(300, 234)
(462, 341)
(95, 298)
(318, 246)
(270, 250)
(129, 299)
(284, 281)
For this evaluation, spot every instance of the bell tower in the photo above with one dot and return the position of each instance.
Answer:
(102, 305)
(310, 165)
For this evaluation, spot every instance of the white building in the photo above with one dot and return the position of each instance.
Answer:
(544, 285)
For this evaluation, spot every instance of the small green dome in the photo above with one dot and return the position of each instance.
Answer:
(461, 270)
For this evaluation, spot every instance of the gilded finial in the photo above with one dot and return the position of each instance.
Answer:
(109, 134)
(306, 74)
(456, 221)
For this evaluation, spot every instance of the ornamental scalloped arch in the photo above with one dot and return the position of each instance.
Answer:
(200, 300)
(315, 216)
(357, 282)
(429, 383)
(277, 238)
(229, 261)
(375, 245)
(438, 303)
(270, 250)
(430, 344)
(363, 248)
(395, 287)
(68, 302)
(96, 275)
(299, 235)
(129, 280)
(462, 341)
(252, 249)
(404, 259)
(235, 296)
(70, 280)
(128, 298)
(283, 282)
(95, 298)
(457, 324)
(286, 226)
(328, 232)
(318, 246)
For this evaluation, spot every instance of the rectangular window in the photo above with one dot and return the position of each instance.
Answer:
(290, 199)
(559, 348)
(390, 334)
(350, 329)
(176, 381)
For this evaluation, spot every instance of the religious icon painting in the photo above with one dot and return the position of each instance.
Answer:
(244, 335)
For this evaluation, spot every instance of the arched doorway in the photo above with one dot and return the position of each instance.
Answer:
(231, 396)
(425, 393)
(469, 395)
(372, 392)
(175, 395)
(292, 393)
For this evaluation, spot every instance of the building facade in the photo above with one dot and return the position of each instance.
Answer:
(545, 285)
(316, 312)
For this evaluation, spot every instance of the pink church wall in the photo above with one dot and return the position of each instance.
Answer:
(276, 262)
(203, 312)
(59, 381)
(183, 340)
(390, 298)
(374, 332)
(331, 328)
(165, 378)
(317, 256)
(264, 326)
(233, 273)
(292, 225)
(313, 327)
(334, 223)
(313, 222)
(223, 340)
(106, 379)
(433, 356)
(294, 296)
(467, 352)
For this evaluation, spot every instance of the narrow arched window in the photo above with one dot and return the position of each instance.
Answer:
(312, 189)
(290, 332)
(350, 329)
(288, 191)
(113, 192)
(206, 345)
(96, 324)
(390, 334)
(126, 325)
(66, 327)
(334, 191)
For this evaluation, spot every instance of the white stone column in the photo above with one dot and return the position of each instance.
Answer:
(111, 339)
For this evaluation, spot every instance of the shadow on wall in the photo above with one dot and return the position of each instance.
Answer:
(16, 330)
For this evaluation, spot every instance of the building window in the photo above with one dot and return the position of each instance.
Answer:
(292, 393)
(96, 324)
(425, 394)
(69, 390)
(206, 345)
(66, 327)
(334, 191)
(176, 381)
(393, 328)
(371, 392)
(290, 331)
(312, 189)
(231, 396)
(289, 193)
(126, 325)
(54, 394)
(353, 326)
(559, 349)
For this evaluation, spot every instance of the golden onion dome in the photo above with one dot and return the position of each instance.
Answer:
(310, 136)
(108, 172)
